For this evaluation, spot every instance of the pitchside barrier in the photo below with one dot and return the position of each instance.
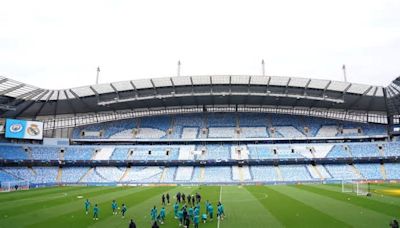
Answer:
(356, 186)
(9, 186)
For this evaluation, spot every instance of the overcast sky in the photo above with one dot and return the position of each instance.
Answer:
(59, 44)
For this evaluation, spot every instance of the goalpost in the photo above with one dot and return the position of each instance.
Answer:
(361, 188)
(8, 186)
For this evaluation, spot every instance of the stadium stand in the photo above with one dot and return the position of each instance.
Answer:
(215, 151)
(392, 171)
(264, 174)
(227, 125)
(190, 133)
(253, 120)
(34, 175)
(106, 129)
(392, 149)
(111, 174)
(253, 132)
(168, 175)
(44, 153)
(267, 140)
(4, 176)
(221, 120)
(221, 132)
(13, 152)
(241, 174)
(184, 173)
(370, 171)
(120, 153)
(150, 174)
(188, 126)
(325, 131)
(206, 152)
(339, 151)
(224, 174)
(78, 153)
(342, 172)
(294, 173)
(364, 150)
(73, 174)
(289, 132)
(218, 174)
(260, 152)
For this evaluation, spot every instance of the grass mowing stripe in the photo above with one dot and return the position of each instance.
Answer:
(133, 203)
(75, 204)
(210, 193)
(353, 215)
(243, 209)
(156, 201)
(9, 196)
(48, 198)
(386, 185)
(78, 218)
(139, 209)
(29, 194)
(373, 186)
(52, 202)
(251, 206)
(362, 201)
(291, 212)
(377, 194)
(44, 213)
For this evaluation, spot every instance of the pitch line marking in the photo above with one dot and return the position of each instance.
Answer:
(220, 197)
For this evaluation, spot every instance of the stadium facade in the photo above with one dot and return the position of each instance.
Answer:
(203, 130)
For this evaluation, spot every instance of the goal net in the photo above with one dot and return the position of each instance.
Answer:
(9, 186)
(358, 187)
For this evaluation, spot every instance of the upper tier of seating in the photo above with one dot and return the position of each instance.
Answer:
(227, 125)
(107, 129)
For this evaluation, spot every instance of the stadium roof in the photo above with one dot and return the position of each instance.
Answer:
(393, 95)
(22, 100)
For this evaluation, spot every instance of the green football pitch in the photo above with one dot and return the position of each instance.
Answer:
(245, 206)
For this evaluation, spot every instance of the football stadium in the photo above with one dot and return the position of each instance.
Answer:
(209, 151)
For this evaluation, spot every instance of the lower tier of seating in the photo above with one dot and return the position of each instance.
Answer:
(189, 174)
(9, 151)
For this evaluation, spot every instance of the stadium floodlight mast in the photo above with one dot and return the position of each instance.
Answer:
(179, 68)
(263, 67)
(344, 73)
(97, 76)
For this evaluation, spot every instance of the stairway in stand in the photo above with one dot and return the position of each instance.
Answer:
(241, 174)
(357, 172)
(278, 173)
(163, 174)
(127, 170)
(318, 172)
(59, 175)
(91, 170)
(383, 171)
(202, 173)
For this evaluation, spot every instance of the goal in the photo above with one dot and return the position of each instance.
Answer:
(358, 187)
(9, 186)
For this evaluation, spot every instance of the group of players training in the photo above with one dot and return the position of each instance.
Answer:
(186, 210)
(114, 208)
